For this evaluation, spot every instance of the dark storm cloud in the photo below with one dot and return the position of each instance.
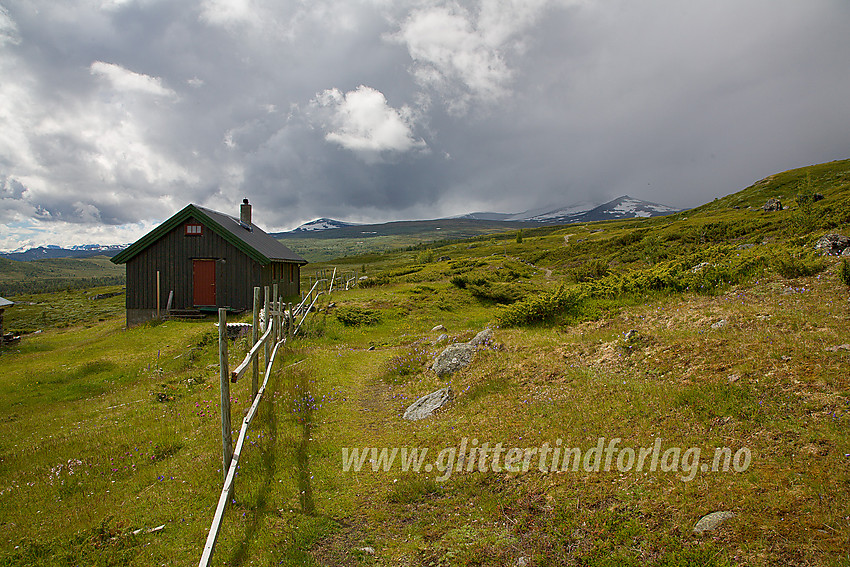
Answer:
(116, 113)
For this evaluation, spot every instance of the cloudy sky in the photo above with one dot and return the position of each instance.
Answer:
(114, 114)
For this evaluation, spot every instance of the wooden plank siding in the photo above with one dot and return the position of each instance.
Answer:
(172, 255)
(287, 275)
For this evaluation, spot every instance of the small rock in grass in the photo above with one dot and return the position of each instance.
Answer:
(710, 521)
(482, 338)
(722, 324)
(832, 244)
(367, 550)
(438, 328)
(428, 404)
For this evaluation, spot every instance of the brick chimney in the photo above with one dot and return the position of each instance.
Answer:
(245, 212)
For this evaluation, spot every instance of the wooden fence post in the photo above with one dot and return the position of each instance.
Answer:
(158, 298)
(255, 334)
(224, 371)
(280, 319)
(268, 321)
(290, 323)
(275, 308)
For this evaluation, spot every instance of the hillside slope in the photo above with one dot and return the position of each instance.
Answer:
(713, 342)
(34, 276)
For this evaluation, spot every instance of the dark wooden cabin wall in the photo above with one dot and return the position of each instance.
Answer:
(286, 275)
(172, 255)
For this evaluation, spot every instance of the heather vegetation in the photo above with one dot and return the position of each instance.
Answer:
(715, 327)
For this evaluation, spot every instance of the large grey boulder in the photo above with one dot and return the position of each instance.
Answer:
(428, 404)
(453, 358)
(832, 244)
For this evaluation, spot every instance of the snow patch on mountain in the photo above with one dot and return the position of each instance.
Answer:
(322, 224)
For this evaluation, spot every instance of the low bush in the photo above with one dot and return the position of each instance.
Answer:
(844, 273)
(797, 265)
(540, 308)
(705, 271)
(588, 271)
(497, 291)
(354, 316)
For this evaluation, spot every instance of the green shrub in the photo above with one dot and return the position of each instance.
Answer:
(390, 275)
(353, 316)
(459, 281)
(540, 308)
(844, 273)
(705, 271)
(496, 291)
(588, 271)
(425, 257)
(797, 265)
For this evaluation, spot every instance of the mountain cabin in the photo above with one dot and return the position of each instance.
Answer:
(200, 260)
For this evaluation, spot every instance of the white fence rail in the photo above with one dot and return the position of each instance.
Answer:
(279, 323)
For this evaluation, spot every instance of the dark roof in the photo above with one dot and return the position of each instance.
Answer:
(250, 239)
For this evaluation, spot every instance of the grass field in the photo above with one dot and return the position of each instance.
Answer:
(712, 329)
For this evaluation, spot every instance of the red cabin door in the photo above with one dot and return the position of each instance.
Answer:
(203, 277)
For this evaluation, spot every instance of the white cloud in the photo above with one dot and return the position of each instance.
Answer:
(229, 12)
(363, 122)
(448, 51)
(462, 53)
(125, 80)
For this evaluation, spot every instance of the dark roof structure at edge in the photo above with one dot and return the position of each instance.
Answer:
(253, 241)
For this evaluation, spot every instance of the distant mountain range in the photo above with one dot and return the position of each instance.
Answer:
(463, 226)
(621, 207)
(52, 251)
